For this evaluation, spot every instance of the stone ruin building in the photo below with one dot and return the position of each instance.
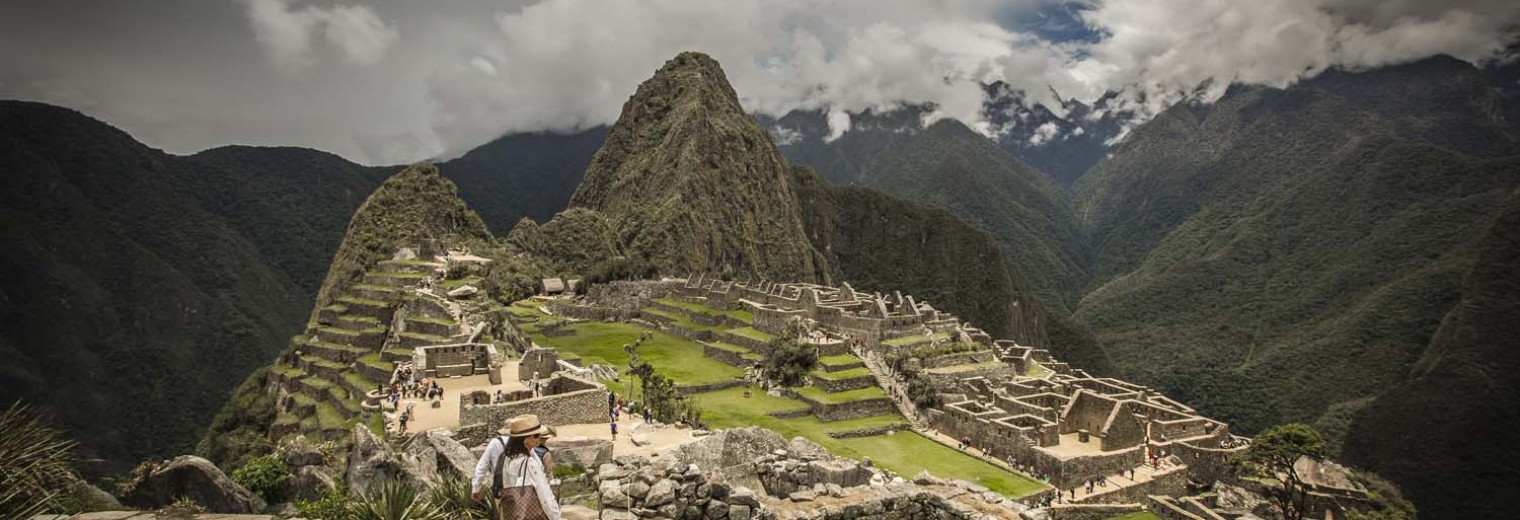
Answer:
(1013, 402)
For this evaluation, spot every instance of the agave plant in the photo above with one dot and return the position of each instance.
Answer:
(395, 500)
(34, 464)
(454, 501)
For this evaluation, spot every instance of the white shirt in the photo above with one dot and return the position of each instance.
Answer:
(513, 475)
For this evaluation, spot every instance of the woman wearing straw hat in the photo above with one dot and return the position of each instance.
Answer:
(520, 468)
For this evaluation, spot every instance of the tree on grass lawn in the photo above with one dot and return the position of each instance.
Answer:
(1274, 452)
(787, 358)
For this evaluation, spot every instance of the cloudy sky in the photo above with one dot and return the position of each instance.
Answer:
(385, 82)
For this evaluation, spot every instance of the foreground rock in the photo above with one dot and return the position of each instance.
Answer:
(750, 473)
(196, 479)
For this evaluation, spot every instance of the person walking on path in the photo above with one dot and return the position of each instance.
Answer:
(512, 457)
(614, 430)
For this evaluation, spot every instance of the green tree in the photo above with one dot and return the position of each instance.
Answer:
(1274, 452)
(787, 358)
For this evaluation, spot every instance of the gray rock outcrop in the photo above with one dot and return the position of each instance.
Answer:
(196, 479)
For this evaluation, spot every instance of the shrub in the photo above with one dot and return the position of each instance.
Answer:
(34, 464)
(332, 506)
(264, 475)
(395, 500)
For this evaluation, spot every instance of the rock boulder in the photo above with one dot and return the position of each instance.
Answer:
(197, 479)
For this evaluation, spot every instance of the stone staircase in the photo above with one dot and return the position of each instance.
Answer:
(895, 388)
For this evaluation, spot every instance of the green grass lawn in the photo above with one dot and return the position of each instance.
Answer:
(905, 452)
(817, 394)
(965, 368)
(1037, 371)
(741, 315)
(674, 357)
(908, 340)
(1138, 515)
(843, 374)
(680, 320)
(751, 333)
(842, 359)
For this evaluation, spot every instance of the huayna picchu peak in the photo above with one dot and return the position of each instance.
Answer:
(696, 181)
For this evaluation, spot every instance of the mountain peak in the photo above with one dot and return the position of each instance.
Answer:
(696, 182)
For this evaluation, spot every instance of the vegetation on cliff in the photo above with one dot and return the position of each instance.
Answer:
(696, 184)
(1286, 255)
(947, 165)
(1441, 431)
(133, 303)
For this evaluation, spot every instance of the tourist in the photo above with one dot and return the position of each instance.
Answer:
(614, 430)
(525, 435)
(403, 419)
(647, 414)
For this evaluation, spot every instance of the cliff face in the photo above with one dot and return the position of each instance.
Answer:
(695, 183)
(881, 242)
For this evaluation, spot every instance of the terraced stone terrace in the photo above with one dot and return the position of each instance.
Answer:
(859, 421)
(331, 371)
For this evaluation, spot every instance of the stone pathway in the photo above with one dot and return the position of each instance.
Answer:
(894, 388)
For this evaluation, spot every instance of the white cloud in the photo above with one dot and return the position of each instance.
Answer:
(567, 64)
(356, 32)
(1043, 134)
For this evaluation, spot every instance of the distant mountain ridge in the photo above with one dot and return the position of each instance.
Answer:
(139, 286)
(1287, 254)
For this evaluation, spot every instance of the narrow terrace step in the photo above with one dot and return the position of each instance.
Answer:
(357, 322)
(330, 313)
(376, 292)
(416, 339)
(396, 355)
(393, 279)
(371, 338)
(377, 309)
(357, 383)
(335, 352)
(430, 325)
(372, 367)
(409, 266)
(302, 405)
(320, 367)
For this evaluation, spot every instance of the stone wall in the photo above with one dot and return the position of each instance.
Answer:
(841, 385)
(726, 356)
(707, 387)
(843, 411)
(1077, 470)
(773, 320)
(1090, 511)
(1172, 482)
(963, 358)
(540, 361)
(1206, 464)
(578, 407)
(593, 313)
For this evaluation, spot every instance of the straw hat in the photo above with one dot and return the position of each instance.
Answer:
(526, 426)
